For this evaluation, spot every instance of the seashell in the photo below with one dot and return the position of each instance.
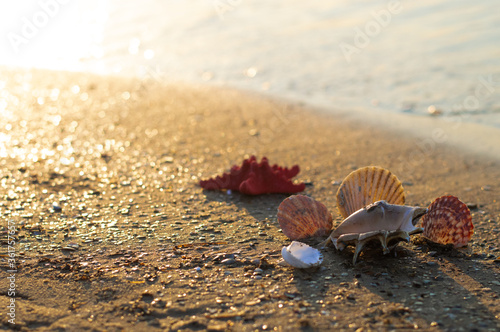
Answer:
(302, 217)
(367, 185)
(302, 256)
(380, 221)
(448, 221)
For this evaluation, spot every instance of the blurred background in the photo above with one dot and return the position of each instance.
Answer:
(431, 58)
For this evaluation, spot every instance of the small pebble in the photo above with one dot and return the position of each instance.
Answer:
(253, 302)
(73, 245)
(472, 206)
(56, 207)
(256, 261)
(158, 303)
(217, 327)
(433, 110)
(416, 284)
(68, 248)
(228, 261)
(147, 292)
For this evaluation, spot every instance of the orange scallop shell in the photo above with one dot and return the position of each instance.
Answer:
(448, 220)
(367, 185)
(302, 217)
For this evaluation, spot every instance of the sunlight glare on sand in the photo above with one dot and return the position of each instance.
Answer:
(4, 142)
(5, 115)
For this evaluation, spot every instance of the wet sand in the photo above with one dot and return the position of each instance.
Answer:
(100, 177)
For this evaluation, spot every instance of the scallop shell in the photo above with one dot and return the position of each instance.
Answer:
(448, 221)
(302, 217)
(367, 185)
(302, 256)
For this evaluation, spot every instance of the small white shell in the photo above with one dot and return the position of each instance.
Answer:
(302, 256)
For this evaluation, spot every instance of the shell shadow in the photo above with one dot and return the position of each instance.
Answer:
(444, 289)
(260, 207)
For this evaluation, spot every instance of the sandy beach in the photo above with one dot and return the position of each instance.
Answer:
(100, 177)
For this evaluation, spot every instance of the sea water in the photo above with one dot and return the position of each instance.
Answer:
(438, 58)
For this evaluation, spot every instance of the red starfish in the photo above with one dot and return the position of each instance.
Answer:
(254, 178)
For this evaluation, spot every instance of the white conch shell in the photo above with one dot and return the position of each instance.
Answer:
(388, 223)
(302, 256)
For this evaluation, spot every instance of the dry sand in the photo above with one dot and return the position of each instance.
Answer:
(138, 245)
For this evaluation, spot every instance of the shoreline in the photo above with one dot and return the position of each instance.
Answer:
(429, 132)
(101, 177)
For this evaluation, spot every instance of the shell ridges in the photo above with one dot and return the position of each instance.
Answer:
(302, 217)
(367, 185)
(448, 221)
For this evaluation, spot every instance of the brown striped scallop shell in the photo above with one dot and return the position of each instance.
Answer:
(448, 220)
(302, 217)
(367, 185)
